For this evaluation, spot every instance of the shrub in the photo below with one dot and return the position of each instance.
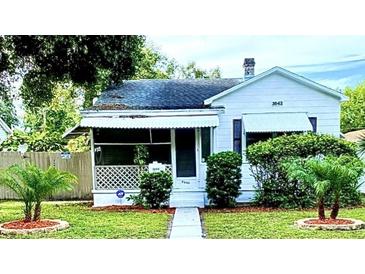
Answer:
(223, 178)
(274, 189)
(155, 189)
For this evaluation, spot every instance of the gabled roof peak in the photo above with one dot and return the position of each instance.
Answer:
(286, 73)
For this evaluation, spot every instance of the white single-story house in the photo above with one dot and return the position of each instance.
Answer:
(5, 131)
(183, 121)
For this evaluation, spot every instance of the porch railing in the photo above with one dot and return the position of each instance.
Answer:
(115, 177)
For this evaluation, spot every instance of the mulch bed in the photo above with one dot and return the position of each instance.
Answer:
(329, 222)
(29, 225)
(130, 208)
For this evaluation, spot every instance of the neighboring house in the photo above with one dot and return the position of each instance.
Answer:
(5, 131)
(184, 121)
(354, 136)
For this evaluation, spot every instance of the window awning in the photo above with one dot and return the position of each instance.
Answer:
(146, 122)
(276, 122)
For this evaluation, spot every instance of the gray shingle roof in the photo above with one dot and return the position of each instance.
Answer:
(163, 94)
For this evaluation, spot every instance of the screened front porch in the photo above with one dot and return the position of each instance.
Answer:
(115, 155)
(182, 151)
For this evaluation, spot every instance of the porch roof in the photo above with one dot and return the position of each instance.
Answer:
(145, 122)
(276, 122)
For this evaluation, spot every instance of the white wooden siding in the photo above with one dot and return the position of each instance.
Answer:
(258, 98)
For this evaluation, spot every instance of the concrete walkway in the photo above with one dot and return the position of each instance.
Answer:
(186, 224)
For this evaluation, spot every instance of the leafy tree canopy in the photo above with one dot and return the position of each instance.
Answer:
(56, 72)
(155, 65)
(43, 61)
(60, 114)
(353, 110)
(44, 126)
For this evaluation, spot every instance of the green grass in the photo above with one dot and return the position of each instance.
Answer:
(274, 225)
(88, 224)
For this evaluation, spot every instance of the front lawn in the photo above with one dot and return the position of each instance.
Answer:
(89, 224)
(277, 224)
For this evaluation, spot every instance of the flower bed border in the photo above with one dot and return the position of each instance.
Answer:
(60, 226)
(357, 224)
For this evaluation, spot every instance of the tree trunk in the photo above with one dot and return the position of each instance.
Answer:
(27, 213)
(321, 213)
(37, 212)
(335, 208)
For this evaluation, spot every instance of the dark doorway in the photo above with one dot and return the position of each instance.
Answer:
(185, 152)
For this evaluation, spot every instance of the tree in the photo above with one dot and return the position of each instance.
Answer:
(353, 110)
(155, 65)
(45, 60)
(62, 112)
(191, 71)
(330, 176)
(44, 126)
(33, 185)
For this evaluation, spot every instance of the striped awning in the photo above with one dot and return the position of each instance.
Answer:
(276, 122)
(146, 122)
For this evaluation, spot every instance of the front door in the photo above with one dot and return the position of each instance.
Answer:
(185, 149)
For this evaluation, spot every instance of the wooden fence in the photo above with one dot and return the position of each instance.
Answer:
(79, 165)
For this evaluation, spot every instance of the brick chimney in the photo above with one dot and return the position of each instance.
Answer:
(249, 66)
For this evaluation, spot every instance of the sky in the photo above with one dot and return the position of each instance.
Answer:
(334, 61)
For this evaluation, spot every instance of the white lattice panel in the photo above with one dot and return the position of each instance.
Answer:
(115, 177)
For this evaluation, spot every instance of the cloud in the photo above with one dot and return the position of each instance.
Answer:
(335, 60)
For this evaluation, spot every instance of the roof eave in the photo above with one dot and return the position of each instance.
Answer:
(149, 112)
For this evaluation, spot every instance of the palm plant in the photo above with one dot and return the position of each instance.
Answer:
(328, 176)
(17, 179)
(311, 172)
(345, 172)
(33, 185)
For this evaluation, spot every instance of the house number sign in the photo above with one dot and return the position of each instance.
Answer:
(277, 103)
(120, 193)
(156, 167)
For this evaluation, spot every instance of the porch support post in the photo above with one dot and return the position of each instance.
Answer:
(92, 158)
(198, 154)
(173, 155)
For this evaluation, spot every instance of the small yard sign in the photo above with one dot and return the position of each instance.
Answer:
(156, 167)
(120, 193)
(65, 155)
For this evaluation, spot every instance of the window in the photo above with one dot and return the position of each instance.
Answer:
(205, 141)
(254, 137)
(237, 136)
(313, 121)
(124, 155)
(116, 146)
(111, 135)
(127, 136)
